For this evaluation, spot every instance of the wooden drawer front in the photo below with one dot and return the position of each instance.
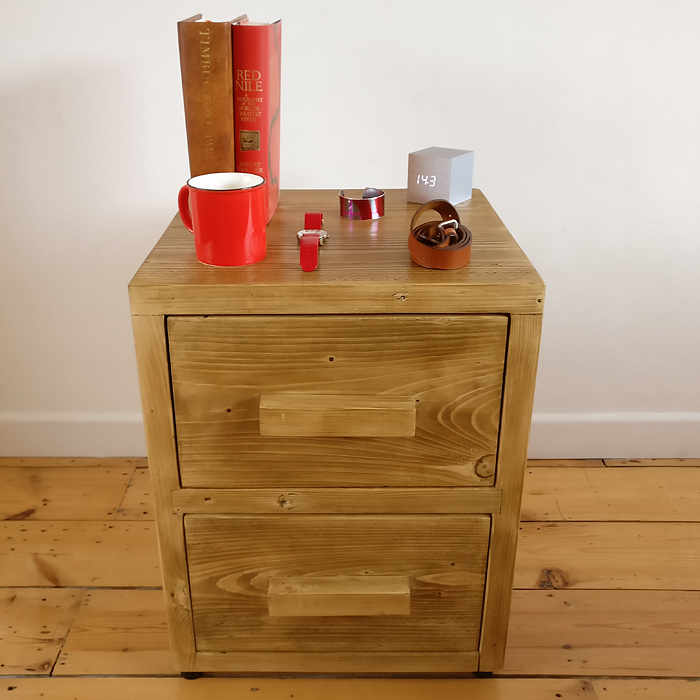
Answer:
(289, 402)
(337, 582)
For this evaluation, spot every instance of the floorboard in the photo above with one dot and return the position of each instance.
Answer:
(137, 503)
(607, 590)
(70, 553)
(118, 633)
(575, 633)
(669, 494)
(604, 633)
(608, 555)
(550, 555)
(33, 627)
(299, 689)
(62, 493)
(647, 689)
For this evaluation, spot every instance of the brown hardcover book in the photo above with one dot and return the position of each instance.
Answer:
(206, 65)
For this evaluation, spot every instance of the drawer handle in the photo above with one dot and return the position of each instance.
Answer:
(326, 596)
(324, 415)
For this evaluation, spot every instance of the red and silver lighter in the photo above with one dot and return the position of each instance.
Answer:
(311, 238)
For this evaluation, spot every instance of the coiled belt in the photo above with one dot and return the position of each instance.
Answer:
(441, 245)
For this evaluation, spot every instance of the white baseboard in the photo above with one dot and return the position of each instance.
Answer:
(614, 435)
(72, 435)
(553, 435)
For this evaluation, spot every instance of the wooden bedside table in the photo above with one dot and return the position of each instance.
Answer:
(337, 457)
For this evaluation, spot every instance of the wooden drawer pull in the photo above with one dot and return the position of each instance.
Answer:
(317, 596)
(322, 415)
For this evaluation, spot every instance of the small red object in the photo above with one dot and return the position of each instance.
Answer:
(308, 251)
(311, 238)
(313, 220)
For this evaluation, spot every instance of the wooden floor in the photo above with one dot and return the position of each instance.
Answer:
(606, 603)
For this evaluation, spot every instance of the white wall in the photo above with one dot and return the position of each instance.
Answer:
(585, 119)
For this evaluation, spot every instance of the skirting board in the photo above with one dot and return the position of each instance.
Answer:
(614, 435)
(72, 435)
(553, 435)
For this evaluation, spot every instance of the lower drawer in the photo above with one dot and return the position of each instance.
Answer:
(337, 583)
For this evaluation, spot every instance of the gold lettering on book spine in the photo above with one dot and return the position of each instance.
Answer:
(249, 80)
(207, 88)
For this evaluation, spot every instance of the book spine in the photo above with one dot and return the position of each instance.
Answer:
(256, 92)
(206, 67)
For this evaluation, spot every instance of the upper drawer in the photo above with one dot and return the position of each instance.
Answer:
(293, 401)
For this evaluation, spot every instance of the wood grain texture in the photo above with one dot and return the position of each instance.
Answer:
(518, 396)
(137, 503)
(652, 462)
(609, 555)
(112, 462)
(221, 366)
(365, 268)
(87, 553)
(118, 632)
(372, 500)
(647, 689)
(320, 415)
(62, 493)
(335, 596)
(33, 626)
(620, 555)
(338, 662)
(639, 493)
(311, 689)
(156, 401)
(232, 558)
(364, 323)
(620, 633)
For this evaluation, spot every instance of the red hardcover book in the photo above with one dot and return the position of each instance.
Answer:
(256, 100)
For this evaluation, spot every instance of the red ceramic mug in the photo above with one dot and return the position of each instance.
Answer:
(226, 214)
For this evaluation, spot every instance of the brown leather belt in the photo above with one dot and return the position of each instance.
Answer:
(441, 245)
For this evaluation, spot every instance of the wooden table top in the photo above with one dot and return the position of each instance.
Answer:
(364, 267)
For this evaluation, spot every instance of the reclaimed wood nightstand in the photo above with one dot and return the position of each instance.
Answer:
(337, 456)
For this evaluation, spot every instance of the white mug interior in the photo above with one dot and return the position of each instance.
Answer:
(225, 181)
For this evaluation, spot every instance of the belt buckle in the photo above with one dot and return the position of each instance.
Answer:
(450, 223)
(447, 230)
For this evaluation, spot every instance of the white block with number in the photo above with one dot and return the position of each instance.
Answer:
(440, 173)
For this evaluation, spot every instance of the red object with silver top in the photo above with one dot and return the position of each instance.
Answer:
(311, 238)
(368, 204)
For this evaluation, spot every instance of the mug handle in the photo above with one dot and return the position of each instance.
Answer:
(183, 204)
